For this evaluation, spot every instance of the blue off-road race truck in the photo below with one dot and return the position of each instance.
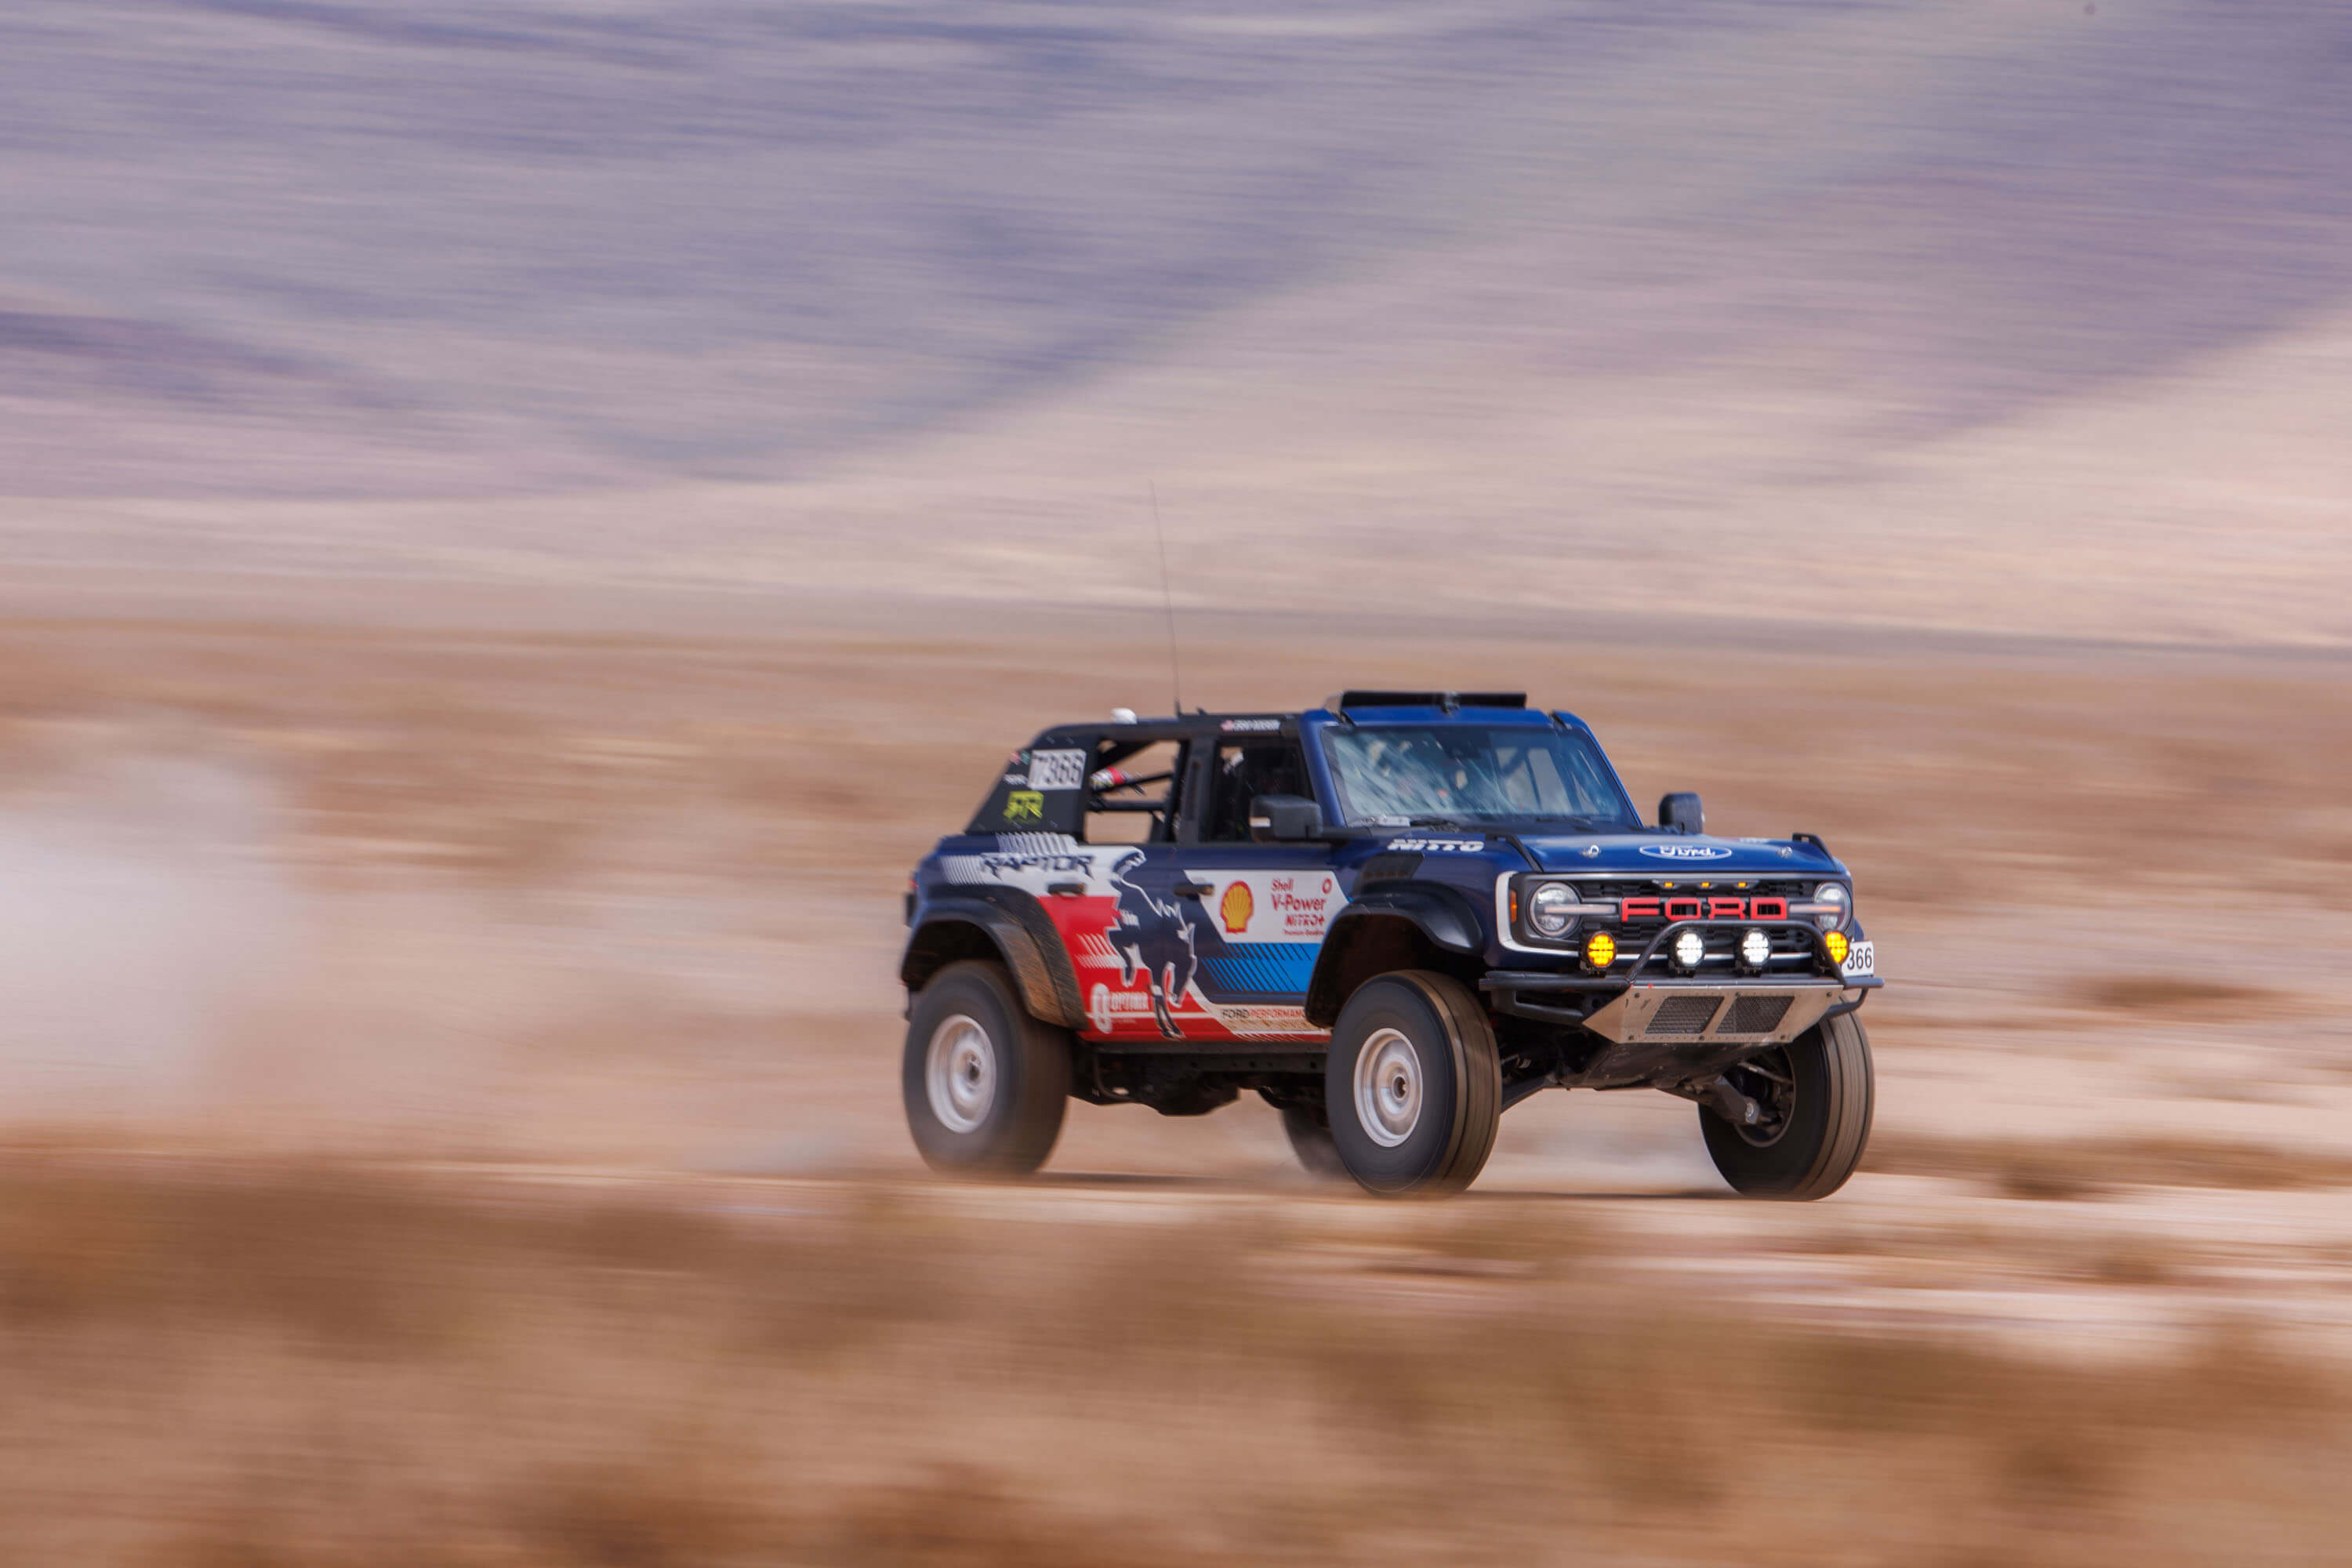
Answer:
(1393, 917)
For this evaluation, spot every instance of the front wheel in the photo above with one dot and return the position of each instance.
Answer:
(1815, 1093)
(1413, 1085)
(985, 1084)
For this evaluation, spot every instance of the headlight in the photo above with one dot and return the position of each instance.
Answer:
(1755, 948)
(1551, 908)
(1831, 893)
(1690, 950)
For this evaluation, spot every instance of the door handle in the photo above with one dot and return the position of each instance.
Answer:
(1065, 889)
(1194, 889)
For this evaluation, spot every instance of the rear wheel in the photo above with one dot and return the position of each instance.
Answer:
(1816, 1094)
(1413, 1085)
(985, 1083)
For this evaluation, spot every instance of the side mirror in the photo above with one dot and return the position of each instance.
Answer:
(1285, 818)
(1680, 813)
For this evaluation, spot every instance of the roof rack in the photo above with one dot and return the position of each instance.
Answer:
(1448, 700)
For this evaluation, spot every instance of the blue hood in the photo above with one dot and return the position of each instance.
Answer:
(1678, 856)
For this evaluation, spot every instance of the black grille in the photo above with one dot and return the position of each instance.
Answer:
(1755, 1014)
(1795, 891)
(1683, 1016)
(1789, 943)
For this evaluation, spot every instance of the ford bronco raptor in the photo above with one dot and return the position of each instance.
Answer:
(1393, 917)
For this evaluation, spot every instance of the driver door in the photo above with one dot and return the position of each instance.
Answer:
(1260, 910)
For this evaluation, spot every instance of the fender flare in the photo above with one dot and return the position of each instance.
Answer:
(1024, 937)
(1443, 916)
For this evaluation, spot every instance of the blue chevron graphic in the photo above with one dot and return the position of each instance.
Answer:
(1263, 968)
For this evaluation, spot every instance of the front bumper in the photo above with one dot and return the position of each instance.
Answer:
(1666, 1011)
(1758, 1011)
(1725, 1007)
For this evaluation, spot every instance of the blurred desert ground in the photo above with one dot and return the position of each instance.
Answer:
(520, 523)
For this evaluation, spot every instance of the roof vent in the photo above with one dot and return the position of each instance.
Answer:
(1449, 700)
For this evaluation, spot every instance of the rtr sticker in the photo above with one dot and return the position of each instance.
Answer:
(1024, 805)
(1057, 770)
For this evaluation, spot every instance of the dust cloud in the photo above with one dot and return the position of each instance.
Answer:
(142, 917)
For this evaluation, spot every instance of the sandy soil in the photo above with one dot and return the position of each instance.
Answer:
(626, 901)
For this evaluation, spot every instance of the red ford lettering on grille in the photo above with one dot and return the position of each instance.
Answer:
(1631, 909)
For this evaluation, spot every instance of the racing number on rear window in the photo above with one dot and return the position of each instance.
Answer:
(1057, 770)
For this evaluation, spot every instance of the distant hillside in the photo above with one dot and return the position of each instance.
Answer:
(347, 246)
(786, 284)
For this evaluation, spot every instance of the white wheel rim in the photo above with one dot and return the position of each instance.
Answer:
(1388, 1089)
(959, 1074)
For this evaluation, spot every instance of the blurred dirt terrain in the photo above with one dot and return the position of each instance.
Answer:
(507, 1028)
(519, 522)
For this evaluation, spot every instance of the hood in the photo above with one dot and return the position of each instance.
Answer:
(1680, 857)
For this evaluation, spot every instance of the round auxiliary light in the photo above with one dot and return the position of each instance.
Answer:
(1835, 941)
(1551, 908)
(1690, 950)
(1831, 893)
(1755, 948)
(1600, 949)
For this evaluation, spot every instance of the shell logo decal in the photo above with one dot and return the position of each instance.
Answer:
(1235, 907)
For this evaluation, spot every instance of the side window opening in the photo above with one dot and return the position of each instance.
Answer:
(1245, 773)
(1133, 794)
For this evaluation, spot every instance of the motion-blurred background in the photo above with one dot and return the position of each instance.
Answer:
(521, 519)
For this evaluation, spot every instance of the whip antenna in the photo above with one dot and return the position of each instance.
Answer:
(1167, 601)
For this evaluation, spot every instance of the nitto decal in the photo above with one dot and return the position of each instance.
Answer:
(1439, 845)
(1057, 769)
(1687, 851)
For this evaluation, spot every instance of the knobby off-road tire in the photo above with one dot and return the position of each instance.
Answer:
(1827, 1125)
(1414, 1086)
(1310, 1139)
(985, 1084)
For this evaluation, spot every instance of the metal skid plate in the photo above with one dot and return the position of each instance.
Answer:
(1698, 1014)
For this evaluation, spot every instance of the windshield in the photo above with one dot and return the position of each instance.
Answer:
(1434, 774)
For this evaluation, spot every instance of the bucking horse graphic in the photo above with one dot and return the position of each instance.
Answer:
(1154, 938)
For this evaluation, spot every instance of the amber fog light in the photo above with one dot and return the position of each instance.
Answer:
(1835, 941)
(1599, 949)
(1755, 948)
